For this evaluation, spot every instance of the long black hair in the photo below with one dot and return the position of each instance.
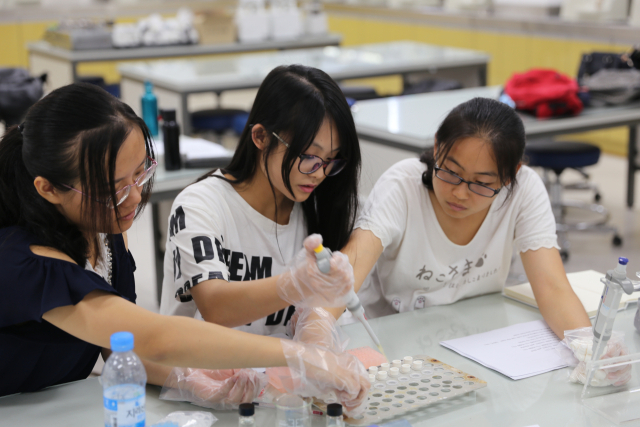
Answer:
(294, 100)
(492, 121)
(68, 137)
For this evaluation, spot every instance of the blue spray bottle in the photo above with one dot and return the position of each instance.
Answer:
(149, 104)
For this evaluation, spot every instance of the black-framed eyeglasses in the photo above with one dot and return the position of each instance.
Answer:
(309, 163)
(451, 178)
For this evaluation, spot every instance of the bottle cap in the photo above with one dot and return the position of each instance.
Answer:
(408, 359)
(384, 366)
(247, 409)
(405, 368)
(122, 341)
(396, 363)
(373, 369)
(381, 375)
(416, 365)
(393, 372)
(372, 378)
(623, 260)
(148, 86)
(168, 115)
(334, 409)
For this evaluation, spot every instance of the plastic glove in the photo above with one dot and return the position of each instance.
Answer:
(215, 389)
(304, 285)
(316, 371)
(580, 344)
(309, 326)
(317, 326)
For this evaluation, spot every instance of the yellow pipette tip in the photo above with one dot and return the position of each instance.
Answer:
(382, 351)
(318, 249)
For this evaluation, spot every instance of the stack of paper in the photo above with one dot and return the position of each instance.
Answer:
(517, 351)
(586, 285)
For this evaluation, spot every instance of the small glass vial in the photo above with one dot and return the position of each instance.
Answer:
(247, 419)
(334, 415)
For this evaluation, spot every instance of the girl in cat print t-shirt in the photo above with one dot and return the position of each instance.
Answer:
(444, 227)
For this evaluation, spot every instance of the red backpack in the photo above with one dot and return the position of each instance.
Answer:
(545, 92)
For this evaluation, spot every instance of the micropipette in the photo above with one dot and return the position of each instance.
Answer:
(323, 255)
(615, 283)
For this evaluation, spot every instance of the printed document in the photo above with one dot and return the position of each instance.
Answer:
(517, 351)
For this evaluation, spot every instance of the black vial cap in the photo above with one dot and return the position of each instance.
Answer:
(334, 409)
(247, 409)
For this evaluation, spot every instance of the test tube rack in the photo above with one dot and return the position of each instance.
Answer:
(423, 383)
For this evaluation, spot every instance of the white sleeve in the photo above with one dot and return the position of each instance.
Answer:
(196, 248)
(385, 211)
(535, 225)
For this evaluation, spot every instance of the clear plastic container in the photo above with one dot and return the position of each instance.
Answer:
(123, 384)
(293, 411)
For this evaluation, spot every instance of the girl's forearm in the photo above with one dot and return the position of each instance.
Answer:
(167, 340)
(238, 303)
(185, 342)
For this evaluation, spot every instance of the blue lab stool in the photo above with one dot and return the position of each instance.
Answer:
(556, 156)
(219, 120)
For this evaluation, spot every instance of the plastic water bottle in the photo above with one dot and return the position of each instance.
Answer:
(149, 104)
(123, 384)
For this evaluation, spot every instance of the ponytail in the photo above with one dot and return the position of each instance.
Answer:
(12, 175)
(21, 205)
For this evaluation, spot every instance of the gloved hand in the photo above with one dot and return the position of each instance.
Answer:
(317, 326)
(580, 344)
(215, 389)
(316, 371)
(304, 285)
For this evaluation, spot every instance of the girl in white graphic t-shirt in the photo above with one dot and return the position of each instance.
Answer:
(235, 232)
(444, 227)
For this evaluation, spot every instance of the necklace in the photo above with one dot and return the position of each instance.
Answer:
(108, 260)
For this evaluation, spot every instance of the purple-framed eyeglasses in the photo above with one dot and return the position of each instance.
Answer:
(123, 193)
(309, 163)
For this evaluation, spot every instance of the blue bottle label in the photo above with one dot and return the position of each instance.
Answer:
(124, 406)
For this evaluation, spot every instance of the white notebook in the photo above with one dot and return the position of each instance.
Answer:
(586, 285)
